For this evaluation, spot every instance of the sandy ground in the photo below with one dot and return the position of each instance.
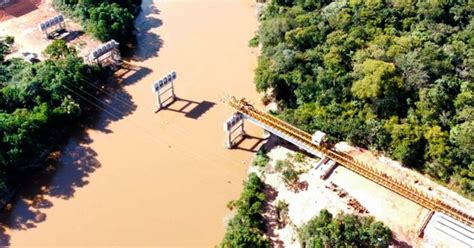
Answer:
(410, 213)
(401, 215)
(162, 179)
(304, 203)
(396, 170)
(22, 23)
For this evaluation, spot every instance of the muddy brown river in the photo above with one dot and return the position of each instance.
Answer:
(140, 178)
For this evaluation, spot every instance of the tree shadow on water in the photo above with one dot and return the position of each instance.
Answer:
(69, 168)
(63, 174)
(114, 104)
(66, 169)
(4, 237)
(191, 109)
(129, 74)
(71, 171)
(147, 44)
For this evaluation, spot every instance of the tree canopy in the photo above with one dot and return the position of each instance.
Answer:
(110, 21)
(344, 231)
(58, 49)
(390, 75)
(5, 44)
(246, 228)
(104, 19)
(39, 104)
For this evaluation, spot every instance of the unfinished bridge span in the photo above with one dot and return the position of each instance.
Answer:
(303, 140)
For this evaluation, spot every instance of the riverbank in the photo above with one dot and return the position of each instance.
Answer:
(155, 179)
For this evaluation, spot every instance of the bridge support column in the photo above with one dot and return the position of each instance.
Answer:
(234, 128)
(163, 86)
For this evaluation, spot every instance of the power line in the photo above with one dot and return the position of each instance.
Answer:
(126, 102)
(186, 151)
(179, 131)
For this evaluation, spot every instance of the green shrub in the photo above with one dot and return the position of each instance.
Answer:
(110, 21)
(289, 176)
(282, 209)
(261, 160)
(103, 19)
(344, 231)
(58, 49)
(254, 41)
(39, 106)
(246, 228)
(281, 165)
(299, 157)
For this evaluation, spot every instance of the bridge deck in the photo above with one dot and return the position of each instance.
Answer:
(303, 140)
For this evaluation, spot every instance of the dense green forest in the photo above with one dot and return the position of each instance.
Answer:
(104, 19)
(39, 106)
(40, 103)
(247, 228)
(391, 75)
(344, 231)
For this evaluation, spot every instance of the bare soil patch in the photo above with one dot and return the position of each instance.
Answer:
(22, 23)
(18, 8)
(347, 192)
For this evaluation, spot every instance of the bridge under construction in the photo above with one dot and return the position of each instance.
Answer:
(304, 140)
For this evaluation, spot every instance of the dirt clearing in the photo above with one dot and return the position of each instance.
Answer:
(21, 19)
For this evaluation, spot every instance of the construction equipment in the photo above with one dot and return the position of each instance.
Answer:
(304, 140)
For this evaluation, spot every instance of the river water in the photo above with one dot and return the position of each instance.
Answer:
(140, 178)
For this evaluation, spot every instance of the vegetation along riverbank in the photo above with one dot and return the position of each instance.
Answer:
(393, 76)
(42, 103)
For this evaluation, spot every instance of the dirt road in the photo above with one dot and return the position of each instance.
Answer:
(142, 178)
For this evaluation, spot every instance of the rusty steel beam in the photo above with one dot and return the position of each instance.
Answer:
(349, 162)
